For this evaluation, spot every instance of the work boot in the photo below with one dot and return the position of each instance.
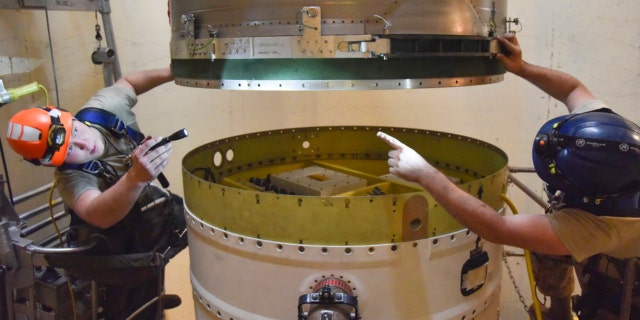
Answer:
(532, 311)
(170, 301)
(559, 309)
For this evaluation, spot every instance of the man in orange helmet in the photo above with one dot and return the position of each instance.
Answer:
(83, 142)
(104, 169)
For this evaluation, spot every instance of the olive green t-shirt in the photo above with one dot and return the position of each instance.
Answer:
(586, 234)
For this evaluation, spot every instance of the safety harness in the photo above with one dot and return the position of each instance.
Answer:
(117, 127)
(610, 286)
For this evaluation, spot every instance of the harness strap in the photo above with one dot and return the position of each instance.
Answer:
(94, 167)
(623, 205)
(609, 285)
(111, 122)
(108, 121)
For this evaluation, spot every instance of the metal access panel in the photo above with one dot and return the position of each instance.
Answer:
(316, 181)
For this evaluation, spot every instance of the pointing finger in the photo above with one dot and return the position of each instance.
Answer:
(393, 142)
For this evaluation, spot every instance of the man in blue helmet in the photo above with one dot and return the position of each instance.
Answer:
(590, 161)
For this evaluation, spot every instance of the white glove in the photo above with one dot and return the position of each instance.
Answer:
(404, 162)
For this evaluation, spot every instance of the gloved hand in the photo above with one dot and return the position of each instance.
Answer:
(405, 162)
(147, 164)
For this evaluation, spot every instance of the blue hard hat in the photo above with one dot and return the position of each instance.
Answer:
(595, 154)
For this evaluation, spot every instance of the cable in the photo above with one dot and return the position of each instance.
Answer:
(53, 62)
(53, 220)
(46, 94)
(527, 257)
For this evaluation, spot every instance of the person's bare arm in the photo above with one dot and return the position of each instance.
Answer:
(104, 209)
(143, 81)
(528, 231)
(557, 84)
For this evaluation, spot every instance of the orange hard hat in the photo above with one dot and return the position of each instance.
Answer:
(41, 135)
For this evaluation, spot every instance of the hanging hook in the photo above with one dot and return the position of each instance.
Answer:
(98, 34)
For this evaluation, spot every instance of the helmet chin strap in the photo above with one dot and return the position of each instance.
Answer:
(621, 205)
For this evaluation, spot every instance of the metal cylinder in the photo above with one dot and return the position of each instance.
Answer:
(272, 214)
(336, 45)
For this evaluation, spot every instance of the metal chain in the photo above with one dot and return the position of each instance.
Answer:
(515, 285)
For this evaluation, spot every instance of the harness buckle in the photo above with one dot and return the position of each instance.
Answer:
(93, 167)
(118, 126)
(96, 167)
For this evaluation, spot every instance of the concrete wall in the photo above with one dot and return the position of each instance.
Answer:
(596, 41)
